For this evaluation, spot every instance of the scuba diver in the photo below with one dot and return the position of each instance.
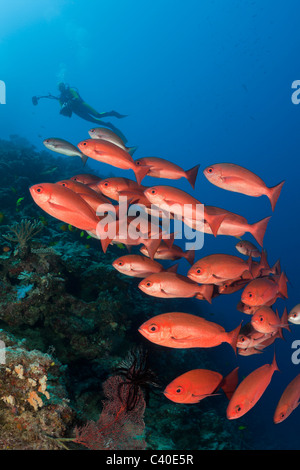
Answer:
(71, 102)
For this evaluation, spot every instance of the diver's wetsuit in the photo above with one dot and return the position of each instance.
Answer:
(71, 102)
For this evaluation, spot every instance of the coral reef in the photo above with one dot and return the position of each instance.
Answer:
(33, 404)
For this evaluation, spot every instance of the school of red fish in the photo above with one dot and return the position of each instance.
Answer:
(75, 201)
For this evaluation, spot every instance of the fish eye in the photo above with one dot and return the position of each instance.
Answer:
(153, 191)
(198, 271)
(83, 143)
(250, 295)
(148, 284)
(261, 318)
(238, 408)
(120, 263)
(137, 162)
(105, 184)
(210, 170)
(39, 189)
(63, 184)
(153, 328)
(294, 315)
(179, 390)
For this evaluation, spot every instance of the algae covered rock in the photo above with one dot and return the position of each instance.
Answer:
(33, 404)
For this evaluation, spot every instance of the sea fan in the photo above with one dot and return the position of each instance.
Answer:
(118, 428)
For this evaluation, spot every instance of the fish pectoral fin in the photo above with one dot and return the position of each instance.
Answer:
(164, 292)
(218, 278)
(183, 340)
(170, 201)
(200, 397)
(231, 179)
(60, 208)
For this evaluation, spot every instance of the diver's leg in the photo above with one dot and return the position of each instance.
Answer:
(113, 114)
(84, 115)
(95, 113)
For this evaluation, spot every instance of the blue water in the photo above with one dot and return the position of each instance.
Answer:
(201, 82)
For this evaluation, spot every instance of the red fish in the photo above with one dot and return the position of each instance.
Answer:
(250, 390)
(289, 400)
(183, 330)
(218, 268)
(249, 310)
(249, 337)
(265, 320)
(116, 187)
(180, 203)
(197, 384)
(172, 285)
(235, 225)
(229, 287)
(264, 291)
(170, 253)
(106, 152)
(65, 205)
(161, 168)
(88, 180)
(240, 180)
(91, 197)
(247, 248)
(138, 266)
(294, 315)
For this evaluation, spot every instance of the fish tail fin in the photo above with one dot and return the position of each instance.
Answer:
(232, 337)
(140, 172)
(230, 382)
(274, 193)
(131, 150)
(84, 158)
(190, 256)
(191, 175)
(258, 230)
